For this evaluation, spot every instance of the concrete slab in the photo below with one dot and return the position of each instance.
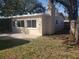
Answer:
(20, 36)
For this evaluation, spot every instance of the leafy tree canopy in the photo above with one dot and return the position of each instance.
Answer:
(71, 6)
(19, 7)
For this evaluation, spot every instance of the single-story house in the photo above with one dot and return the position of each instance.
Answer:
(38, 24)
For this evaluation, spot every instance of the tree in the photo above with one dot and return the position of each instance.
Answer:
(19, 7)
(1, 5)
(72, 10)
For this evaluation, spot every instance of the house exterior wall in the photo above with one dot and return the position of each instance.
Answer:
(59, 23)
(29, 31)
(45, 25)
(48, 25)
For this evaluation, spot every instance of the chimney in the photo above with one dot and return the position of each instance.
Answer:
(51, 8)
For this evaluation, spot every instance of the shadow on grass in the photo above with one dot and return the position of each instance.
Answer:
(9, 42)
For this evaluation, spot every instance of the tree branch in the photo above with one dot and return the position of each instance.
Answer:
(62, 2)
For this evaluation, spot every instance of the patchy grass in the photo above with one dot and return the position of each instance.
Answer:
(41, 48)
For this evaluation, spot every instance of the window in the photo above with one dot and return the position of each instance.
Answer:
(34, 23)
(28, 23)
(56, 21)
(20, 23)
(31, 23)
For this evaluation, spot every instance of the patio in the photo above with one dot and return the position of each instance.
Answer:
(19, 35)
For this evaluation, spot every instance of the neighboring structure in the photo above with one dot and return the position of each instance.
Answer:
(66, 25)
(39, 24)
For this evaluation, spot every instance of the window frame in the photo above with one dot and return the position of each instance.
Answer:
(31, 24)
(22, 23)
(19, 25)
(57, 22)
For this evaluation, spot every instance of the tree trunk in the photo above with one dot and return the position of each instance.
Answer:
(73, 14)
(74, 31)
(77, 33)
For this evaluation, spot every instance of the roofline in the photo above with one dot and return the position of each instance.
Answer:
(28, 15)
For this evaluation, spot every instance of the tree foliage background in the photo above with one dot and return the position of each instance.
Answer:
(71, 7)
(19, 7)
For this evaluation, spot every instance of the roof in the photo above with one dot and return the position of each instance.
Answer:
(28, 15)
(2, 17)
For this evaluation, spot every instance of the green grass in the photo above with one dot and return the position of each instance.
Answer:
(41, 48)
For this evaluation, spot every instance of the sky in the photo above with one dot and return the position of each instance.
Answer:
(60, 9)
(44, 2)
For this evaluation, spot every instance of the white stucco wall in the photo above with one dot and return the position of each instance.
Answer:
(48, 25)
(30, 31)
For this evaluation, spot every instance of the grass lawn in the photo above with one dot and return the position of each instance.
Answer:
(41, 48)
